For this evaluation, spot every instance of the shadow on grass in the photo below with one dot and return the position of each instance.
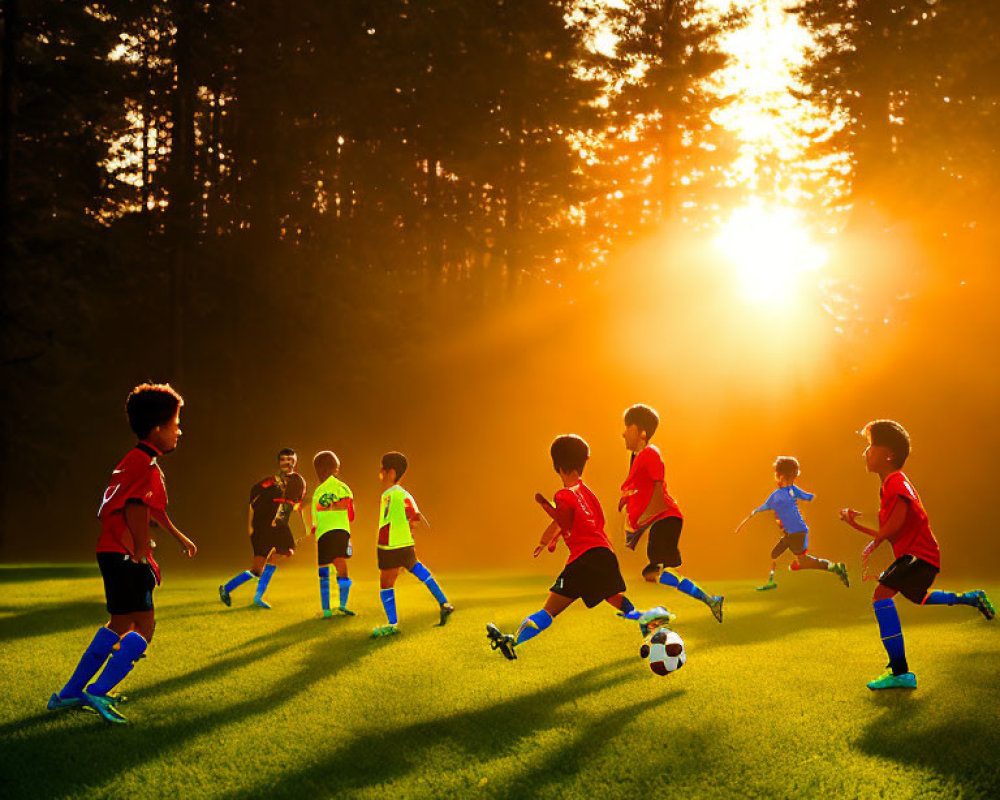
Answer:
(481, 735)
(25, 573)
(961, 744)
(54, 618)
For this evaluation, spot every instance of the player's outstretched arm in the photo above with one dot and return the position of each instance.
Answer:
(750, 516)
(165, 522)
(250, 522)
(548, 537)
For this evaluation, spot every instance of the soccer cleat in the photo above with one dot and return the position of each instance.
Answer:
(447, 609)
(384, 630)
(343, 611)
(57, 703)
(889, 681)
(224, 595)
(716, 605)
(631, 616)
(105, 707)
(983, 603)
(503, 642)
(655, 618)
(769, 585)
(795, 566)
(259, 602)
(840, 570)
(327, 613)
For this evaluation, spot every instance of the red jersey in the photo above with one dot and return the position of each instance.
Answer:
(915, 537)
(647, 468)
(581, 518)
(137, 477)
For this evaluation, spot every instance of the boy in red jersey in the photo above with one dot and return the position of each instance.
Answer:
(591, 571)
(649, 505)
(124, 552)
(903, 522)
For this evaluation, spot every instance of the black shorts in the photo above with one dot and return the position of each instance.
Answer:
(128, 587)
(910, 576)
(661, 547)
(798, 543)
(279, 538)
(331, 545)
(593, 577)
(397, 557)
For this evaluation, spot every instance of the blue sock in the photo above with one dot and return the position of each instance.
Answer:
(94, 656)
(628, 610)
(263, 581)
(422, 574)
(130, 650)
(238, 580)
(892, 634)
(686, 585)
(389, 604)
(344, 586)
(324, 587)
(533, 625)
(950, 599)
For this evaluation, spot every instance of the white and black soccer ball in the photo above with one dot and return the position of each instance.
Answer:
(664, 650)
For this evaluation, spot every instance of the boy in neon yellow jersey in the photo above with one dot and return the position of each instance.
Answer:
(398, 514)
(333, 512)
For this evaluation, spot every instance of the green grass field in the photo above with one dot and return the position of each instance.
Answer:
(240, 702)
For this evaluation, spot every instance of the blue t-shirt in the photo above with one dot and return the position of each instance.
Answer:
(784, 504)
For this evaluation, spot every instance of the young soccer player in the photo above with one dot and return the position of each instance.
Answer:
(591, 571)
(272, 501)
(124, 553)
(783, 501)
(332, 515)
(649, 505)
(903, 522)
(398, 516)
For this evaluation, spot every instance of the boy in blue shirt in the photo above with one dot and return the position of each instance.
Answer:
(783, 501)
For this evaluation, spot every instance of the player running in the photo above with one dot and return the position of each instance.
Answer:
(783, 501)
(332, 515)
(272, 501)
(135, 493)
(903, 522)
(591, 571)
(649, 505)
(398, 516)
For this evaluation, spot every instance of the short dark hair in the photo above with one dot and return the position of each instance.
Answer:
(890, 434)
(395, 460)
(786, 466)
(569, 453)
(285, 451)
(327, 461)
(151, 404)
(644, 418)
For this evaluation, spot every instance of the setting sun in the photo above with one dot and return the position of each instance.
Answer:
(770, 249)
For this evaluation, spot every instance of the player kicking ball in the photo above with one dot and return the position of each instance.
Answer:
(784, 502)
(650, 507)
(903, 522)
(332, 515)
(398, 516)
(124, 554)
(591, 572)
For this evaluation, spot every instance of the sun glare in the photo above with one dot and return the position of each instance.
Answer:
(771, 250)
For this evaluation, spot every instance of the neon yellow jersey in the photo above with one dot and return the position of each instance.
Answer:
(396, 510)
(326, 518)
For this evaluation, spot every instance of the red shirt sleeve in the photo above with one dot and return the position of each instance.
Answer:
(134, 479)
(565, 509)
(653, 464)
(894, 488)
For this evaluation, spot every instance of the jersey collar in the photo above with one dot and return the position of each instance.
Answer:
(148, 449)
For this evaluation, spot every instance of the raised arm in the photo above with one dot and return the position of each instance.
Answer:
(547, 536)
(889, 530)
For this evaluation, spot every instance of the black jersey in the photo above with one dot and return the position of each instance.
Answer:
(275, 498)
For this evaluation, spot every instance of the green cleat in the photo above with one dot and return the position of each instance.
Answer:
(766, 586)
(889, 681)
(224, 595)
(259, 602)
(327, 614)
(983, 604)
(503, 642)
(716, 605)
(343, 611)
(383, 631)
(105, 707)
(657, 617)
(840, 570)
(57, 703)
(447, 609)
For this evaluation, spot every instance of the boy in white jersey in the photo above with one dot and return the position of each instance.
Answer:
(332, 514)
(398, 514)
